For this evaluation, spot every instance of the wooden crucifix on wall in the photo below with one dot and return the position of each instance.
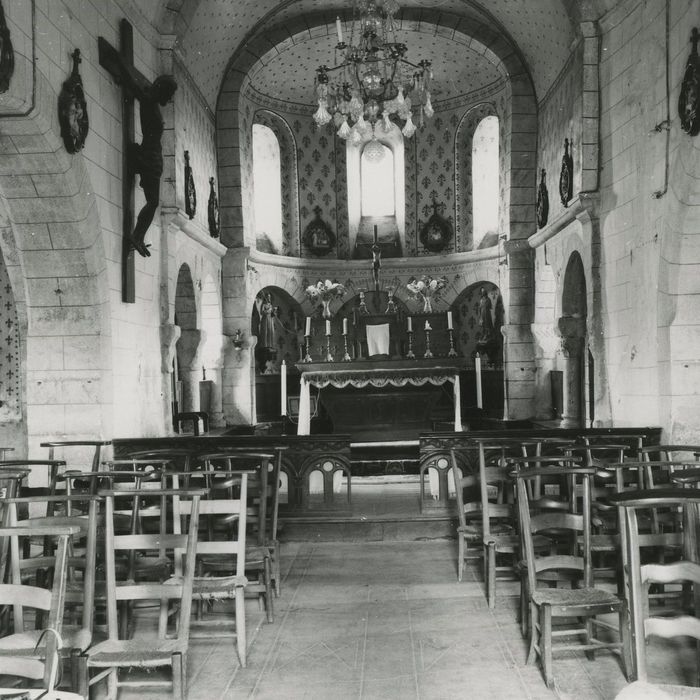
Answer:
(144, 159)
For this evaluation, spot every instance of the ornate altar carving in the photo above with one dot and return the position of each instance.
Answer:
(190, 191)
(318, 236)
(397, 395)
(689, 98)
(566, 178)
(72, 109)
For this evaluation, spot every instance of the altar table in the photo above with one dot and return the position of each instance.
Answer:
(378, 374)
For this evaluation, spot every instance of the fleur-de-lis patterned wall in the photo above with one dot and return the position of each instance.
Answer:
(437, 168)
(10, 379)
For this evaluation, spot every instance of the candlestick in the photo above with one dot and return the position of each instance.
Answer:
(428, 327)
(283, 388)
(452, 352)
(329, 357)
(410, 354)
(345, 326)
(449, 320)
(427, 341)
(477, 368)
(307, 332)
(339, 30)
(307, 357)
(409, 324)
(346, 356)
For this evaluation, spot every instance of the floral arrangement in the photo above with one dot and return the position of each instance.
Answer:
(425, 289)
(325, 291)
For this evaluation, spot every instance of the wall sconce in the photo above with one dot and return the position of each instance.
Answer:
(238, 340)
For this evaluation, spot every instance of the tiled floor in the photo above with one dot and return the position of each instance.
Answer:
(387, 620)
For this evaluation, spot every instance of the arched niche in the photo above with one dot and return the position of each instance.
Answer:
(291, 242)
(187, 361)
(471, 329)
(572, 330)
(277, 320)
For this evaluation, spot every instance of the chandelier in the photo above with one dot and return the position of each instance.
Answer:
(373, 83)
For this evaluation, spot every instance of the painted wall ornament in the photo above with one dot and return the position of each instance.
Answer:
(72, 109)
(566, 178)
(213, 210)
(7, 54)
(437, 231)
(318, 236)
(190, 191)
(689, 98)
(542, 202)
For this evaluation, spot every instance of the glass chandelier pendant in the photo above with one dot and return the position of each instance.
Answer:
(374, 82)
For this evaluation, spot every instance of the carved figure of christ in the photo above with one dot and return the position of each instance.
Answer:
(144, 159)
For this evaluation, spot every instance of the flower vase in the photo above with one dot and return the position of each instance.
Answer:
(427, 305)
(326, 313)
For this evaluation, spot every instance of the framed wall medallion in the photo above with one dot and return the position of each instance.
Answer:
(689, 98)
(213, 210)
(190, 191)
(566, 178)
(318, 236)
(437, 232)
(7, 53)
(542, 202)
(72, 109)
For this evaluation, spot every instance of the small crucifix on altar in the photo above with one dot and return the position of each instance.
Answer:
(144, 159)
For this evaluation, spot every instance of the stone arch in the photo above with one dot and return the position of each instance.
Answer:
(496, 48)
(290, 182)
(464, 228)
(53, 248)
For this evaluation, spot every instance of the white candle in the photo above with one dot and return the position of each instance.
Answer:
(308, 326)
(328, 327)
(283, 388)
(449, 320)
(339, 30)
(345, 326)
(477, 368)
(409, 325)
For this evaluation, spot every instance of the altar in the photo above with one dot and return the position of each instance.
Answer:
(393, 397)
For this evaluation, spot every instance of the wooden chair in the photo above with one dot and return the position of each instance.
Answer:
(262, 550)
(641, 576)
(582, 600)
(498, 512)
(468, 497)
(221, 553)
(28, 653)
(61, 445)
(79, 606)
(145, 652)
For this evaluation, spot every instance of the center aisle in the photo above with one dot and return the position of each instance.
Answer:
(388, 620)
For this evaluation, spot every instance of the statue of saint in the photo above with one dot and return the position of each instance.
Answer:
(485, 318)
(266, 332)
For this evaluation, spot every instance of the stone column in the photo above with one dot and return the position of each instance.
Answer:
(573, 335)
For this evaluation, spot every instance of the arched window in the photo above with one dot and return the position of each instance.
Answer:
(267, 189)
(377, 180)
(485, 178)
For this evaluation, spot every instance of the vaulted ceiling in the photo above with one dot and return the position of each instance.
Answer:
(454, 34)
